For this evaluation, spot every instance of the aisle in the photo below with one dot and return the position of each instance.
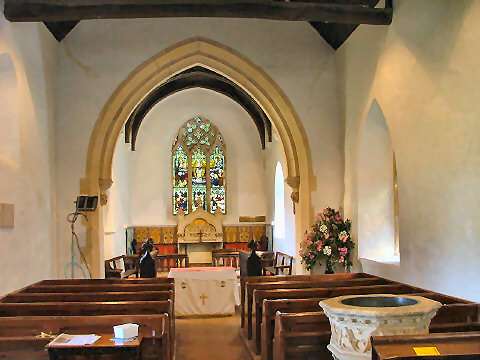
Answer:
(210, 339)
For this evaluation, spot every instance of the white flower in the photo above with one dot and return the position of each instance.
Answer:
(343, 234)
(324, 228)
(327, 250)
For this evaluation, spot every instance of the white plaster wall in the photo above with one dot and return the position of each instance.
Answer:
(376, 229)
(118, 210)
(151, 172)
(97, 55)
(27, 62)
(424, 71)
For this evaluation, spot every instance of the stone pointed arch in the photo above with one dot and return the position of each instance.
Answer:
(158, 69)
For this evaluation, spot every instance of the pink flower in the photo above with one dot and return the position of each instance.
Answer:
(327, 218)
(338, 217)
(343, 251)
(327, 235)
(344, 239)
(319, 246)
(312, 256)
(318, 217)
(342, 259)
(309, 242)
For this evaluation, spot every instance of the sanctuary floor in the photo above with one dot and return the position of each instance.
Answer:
(210, 339)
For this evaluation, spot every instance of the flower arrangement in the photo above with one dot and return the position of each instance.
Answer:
(328, 239)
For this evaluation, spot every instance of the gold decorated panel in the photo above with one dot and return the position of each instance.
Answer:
(159, 234)
(230, 234)
(169, 235)
(257, 231)
(244, 233)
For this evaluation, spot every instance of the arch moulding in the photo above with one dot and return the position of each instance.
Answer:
(158, 69)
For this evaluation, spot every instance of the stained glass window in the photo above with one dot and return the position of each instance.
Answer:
(199, 180)
(180, 180)
(196, 183)
(217, 180)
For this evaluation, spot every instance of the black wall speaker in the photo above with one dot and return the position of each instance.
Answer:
(87, 203)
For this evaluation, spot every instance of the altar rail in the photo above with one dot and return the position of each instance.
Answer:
(165, 262)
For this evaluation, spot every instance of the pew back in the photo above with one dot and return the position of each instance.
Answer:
(98, 288)
(88, 296)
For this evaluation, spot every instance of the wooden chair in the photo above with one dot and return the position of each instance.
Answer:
(281, 265)
(114, 268)
(266, 259)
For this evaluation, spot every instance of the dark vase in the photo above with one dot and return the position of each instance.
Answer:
(329, 267)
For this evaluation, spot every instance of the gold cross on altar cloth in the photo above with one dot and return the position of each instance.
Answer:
(203, 297)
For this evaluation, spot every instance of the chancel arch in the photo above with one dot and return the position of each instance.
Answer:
(376, 189)
(157, 70)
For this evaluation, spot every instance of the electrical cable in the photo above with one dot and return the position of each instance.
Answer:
(72, 218)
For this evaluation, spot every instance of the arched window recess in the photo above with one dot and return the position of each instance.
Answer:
(199, 168)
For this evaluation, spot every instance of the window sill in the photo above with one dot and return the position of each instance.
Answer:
(389, 260)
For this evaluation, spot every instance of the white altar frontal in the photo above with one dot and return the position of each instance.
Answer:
(205, 291)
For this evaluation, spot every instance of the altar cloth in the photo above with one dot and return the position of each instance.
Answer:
(205, 290)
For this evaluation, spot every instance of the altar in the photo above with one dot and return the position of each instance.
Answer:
(198, 234)
(205, 290)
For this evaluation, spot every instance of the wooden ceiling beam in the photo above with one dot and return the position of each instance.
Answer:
(76, 10)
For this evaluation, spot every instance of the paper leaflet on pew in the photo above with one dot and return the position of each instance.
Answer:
(74, 340)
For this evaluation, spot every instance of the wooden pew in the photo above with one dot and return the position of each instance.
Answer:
(453, 346)
(454, 317)
(153, 328)
(244, 280)
(92, 309)
(157, 280)
(301, 336)
(271, 307)
(98, 288)
(307, 333)
(313, 283)
(251, 287)
(23, 347)
(88, 296)
(325, 292)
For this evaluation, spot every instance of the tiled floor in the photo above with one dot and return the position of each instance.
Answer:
(210, 339)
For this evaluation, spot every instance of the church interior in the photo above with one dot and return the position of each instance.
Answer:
(203, 125)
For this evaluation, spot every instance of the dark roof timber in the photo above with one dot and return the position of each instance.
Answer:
(326, 16)
(192, 78)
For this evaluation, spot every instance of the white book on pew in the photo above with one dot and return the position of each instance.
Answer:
(74, 340)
